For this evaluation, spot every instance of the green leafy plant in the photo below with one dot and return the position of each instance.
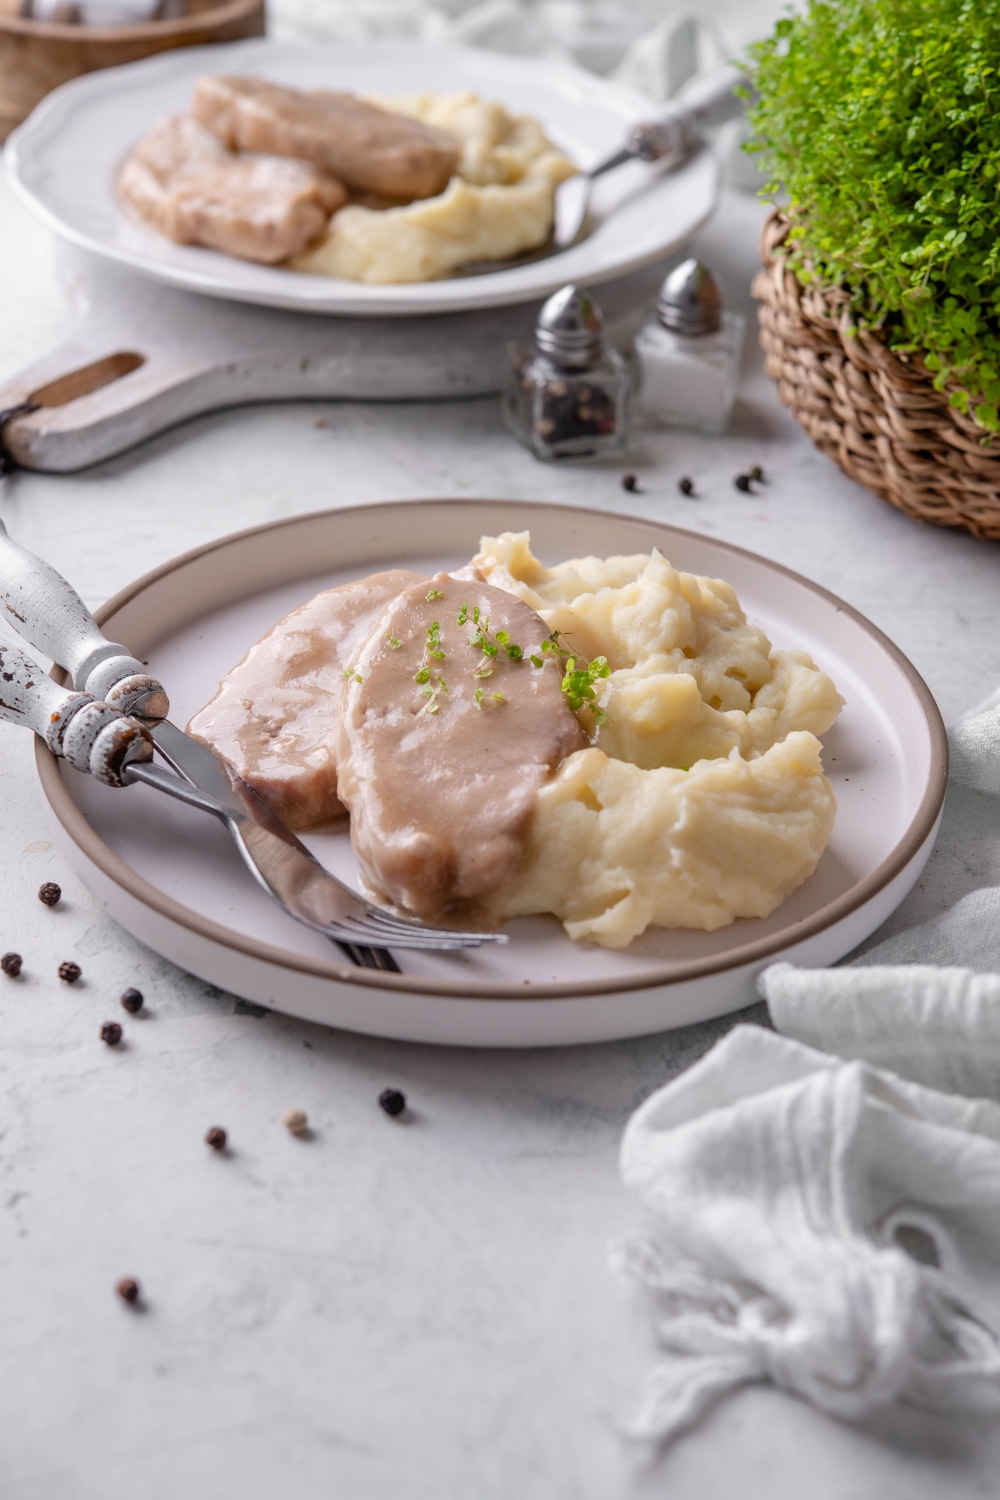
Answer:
(879, 120)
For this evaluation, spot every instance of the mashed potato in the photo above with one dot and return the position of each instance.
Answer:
(614, 849)
(497, 205)
(704, 798)
(690, 678)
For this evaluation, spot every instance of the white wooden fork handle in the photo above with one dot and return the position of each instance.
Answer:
(94, 737)
(42, 607)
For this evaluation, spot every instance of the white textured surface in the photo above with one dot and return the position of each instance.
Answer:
(418, 1309)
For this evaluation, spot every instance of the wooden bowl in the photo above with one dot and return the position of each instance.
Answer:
(37, 56)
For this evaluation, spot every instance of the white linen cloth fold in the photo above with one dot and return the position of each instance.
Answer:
(975, 747)
(832, 1223)
(796, 1205)
(893, 1006)
(937, 1026)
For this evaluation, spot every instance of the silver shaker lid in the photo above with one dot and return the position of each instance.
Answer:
(689, 301)
(570, 328)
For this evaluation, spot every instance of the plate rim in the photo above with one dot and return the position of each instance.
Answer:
(343, 304)
(75, 824)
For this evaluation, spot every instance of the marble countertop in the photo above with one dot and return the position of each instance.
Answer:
(418, 1309)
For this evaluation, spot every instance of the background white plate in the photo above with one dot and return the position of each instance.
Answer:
(171, 875)
(64, 159)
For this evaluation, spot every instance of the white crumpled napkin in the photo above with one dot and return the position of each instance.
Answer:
(820, 1223)
(975, 747)
(795, 1205)
(893, 1006)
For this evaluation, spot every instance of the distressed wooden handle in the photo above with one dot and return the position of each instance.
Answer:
(52, 617)
(92, 736)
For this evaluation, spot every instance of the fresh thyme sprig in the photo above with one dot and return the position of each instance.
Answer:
(579, 676)
(428, 678)
(392, 643)
(488, 642)
(431, 689)
(351, 675)
(433, 594)
(432, 652)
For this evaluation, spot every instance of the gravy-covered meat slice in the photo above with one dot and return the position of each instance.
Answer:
(274, 717)
(440, 763)
(371, 149)
(185, 183)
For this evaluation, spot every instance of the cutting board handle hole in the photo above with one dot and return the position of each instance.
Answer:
(89, 378)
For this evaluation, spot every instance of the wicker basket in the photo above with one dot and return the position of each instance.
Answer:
(875, 413)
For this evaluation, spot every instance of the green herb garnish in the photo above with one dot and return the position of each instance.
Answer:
(392, 643)
(579, 677)
(490, 644)
(351, 675)
(431, 691)
(497, 697)
(880, 122)
(424, 673)
(433, 594)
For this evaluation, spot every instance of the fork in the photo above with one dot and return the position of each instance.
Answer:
(110, 726)
(669, 139)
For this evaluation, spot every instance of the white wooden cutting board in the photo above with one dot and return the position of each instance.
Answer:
(142, 357)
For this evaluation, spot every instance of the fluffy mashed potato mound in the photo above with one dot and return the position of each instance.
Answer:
(499, 203)
(614, 848)
(690, 679)
(703, 797)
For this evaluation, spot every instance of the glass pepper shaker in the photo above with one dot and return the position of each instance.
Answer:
(687, 354)
(567, 397)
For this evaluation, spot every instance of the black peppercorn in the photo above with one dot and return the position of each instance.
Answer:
(577, 411)
(70, 972)
(216, 1138)
(742, 482)
(630, 482)
(49, 893)
(127, 1289)
(686, 486)
(757, 473)
(111, 1033)
(132, 1001)
(392, 1101)
(11, 964)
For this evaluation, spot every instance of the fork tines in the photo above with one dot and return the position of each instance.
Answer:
(389, 930)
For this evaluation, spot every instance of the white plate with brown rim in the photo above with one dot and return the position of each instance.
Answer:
(172, 877)
(64, 160)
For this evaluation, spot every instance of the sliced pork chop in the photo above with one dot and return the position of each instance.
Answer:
(184, 182)
(371, 149)
(274, 717)
(441, 787)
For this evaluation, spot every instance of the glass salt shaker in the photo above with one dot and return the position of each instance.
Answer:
(567, 397)
(687, 354)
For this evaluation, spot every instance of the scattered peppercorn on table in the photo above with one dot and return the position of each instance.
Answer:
(245, 1256)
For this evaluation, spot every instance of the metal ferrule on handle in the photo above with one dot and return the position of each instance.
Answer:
(94, 737)
(675, 134)
(41, 606)
(670, 139)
